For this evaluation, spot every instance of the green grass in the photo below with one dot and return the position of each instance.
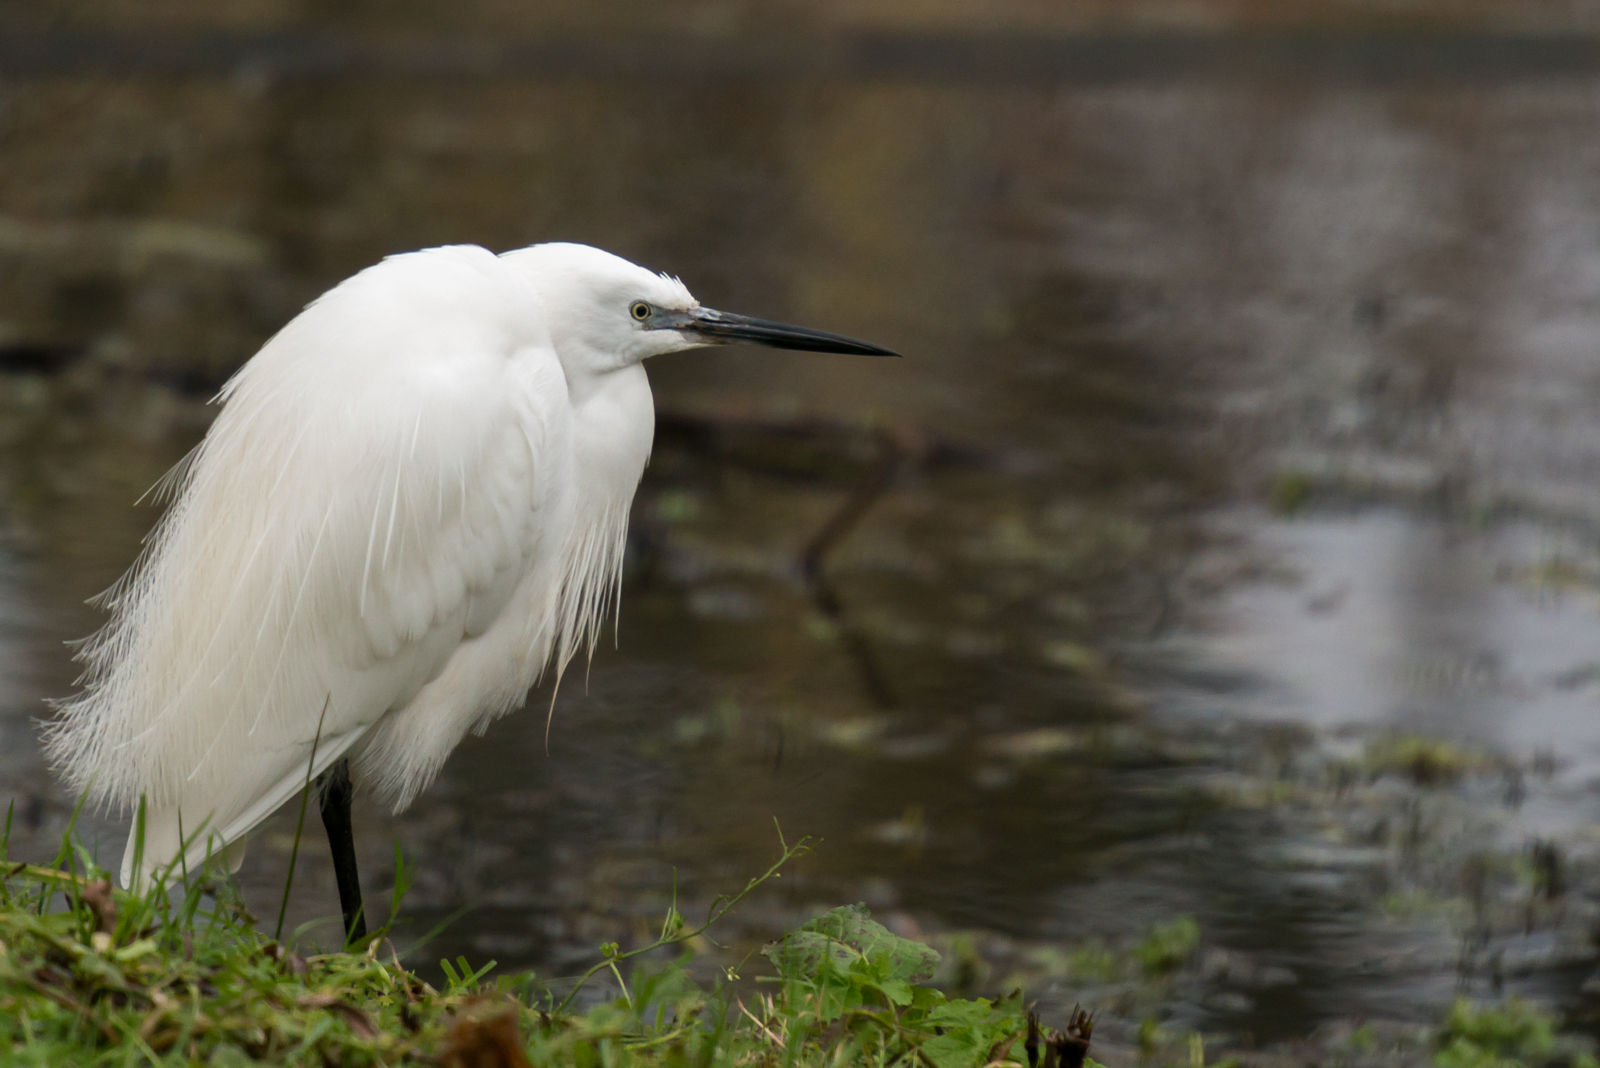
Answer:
(90, 975)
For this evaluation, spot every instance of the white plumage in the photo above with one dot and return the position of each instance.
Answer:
(413, 502)
(397, 470)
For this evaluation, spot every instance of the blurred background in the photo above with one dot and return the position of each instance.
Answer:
(1202, 621)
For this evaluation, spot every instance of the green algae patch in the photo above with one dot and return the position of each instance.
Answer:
(1169, 946)
(1507, 1035)
(1427, 762)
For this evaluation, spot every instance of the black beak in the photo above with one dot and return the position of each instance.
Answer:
(721, 328)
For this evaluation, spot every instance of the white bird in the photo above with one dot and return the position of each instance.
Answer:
(413, 503)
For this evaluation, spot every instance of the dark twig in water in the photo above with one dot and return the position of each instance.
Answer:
(807, 446)
(872, 484)
(822, 448)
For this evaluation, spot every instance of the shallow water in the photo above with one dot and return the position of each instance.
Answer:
(1239, 420)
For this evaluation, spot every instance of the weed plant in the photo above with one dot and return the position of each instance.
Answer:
(181, 974)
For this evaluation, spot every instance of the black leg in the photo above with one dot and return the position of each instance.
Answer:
(336, 795)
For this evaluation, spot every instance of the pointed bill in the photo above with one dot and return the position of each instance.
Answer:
(722, 328)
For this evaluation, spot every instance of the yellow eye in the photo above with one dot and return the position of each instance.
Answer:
(640, 310)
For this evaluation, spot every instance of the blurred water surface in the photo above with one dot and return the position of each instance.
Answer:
(1241, 422)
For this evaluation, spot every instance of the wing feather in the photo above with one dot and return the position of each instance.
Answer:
(371, 483)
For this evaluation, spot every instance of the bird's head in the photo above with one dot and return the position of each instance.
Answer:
(612, 314)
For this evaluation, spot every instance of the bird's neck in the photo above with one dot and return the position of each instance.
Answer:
(585, 382)
(613, 427)
(614, 421)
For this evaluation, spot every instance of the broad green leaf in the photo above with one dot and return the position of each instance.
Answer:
(960, 1013)
(955, 1049)
(896, 990)
(844, 936)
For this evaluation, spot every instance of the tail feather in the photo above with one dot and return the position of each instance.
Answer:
(173, 830)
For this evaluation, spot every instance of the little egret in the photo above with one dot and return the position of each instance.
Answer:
(412, 504)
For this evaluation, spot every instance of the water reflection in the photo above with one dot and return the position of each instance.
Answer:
(1228, 407)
